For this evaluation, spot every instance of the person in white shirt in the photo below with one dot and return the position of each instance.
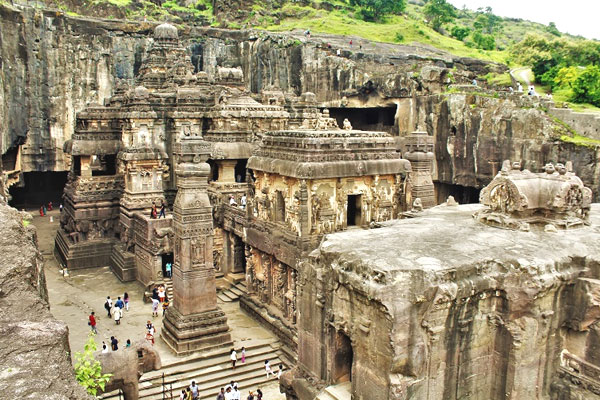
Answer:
(228, 394)
(280, 371)
(268, 368)
(233, 358)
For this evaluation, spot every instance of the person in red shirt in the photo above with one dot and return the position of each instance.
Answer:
(92, 323)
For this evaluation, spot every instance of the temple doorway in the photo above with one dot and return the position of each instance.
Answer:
(167, 258)
(353, 217)
(38, 188)
(343, 358)
(239, 255)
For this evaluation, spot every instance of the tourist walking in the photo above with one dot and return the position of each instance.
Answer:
(280, 371)
(168, 269)
(250, 396)
(108, 305)
(126, 300)
(268, 368)
(182, 395)
(194, 390)
(233, 357)
(153, 211)
(119, 303)
(92, 323)
(117, 315)
(243, 355)
(114, 343)
(165, 305)
(259, 394)
(128, 344)
(41, 211)
(155, 303)
(221, 395)
(161, 293)
(104, 347)
(150, 332)
(243, 201)
(236, 393)
(163, 210)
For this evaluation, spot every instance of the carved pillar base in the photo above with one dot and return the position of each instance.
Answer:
(196, 332)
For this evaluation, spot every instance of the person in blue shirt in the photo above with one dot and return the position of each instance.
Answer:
(168, 269)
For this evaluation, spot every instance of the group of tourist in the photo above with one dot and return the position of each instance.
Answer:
(159, 296)
(233, 202)
(155, 214)
(116, 311)
(45, 208)
(229, 392)
(114, 345)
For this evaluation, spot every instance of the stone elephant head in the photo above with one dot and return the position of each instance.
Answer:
(127, 366)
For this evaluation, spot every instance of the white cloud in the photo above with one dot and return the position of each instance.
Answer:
(577, 17)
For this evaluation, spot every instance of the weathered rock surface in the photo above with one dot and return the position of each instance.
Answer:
(474, 133)
(35, 357)
(443, 307)
(53, 65)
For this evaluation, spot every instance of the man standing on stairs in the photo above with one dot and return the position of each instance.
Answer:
(194, 390)
(221, 395)
(233, 358)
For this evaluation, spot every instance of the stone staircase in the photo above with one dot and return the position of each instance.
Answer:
(341, 391)
(232, 293)
(211, 372)
(168, 282)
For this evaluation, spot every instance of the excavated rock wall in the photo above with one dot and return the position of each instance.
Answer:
(474, 133)
(52, 65)
(35, 357)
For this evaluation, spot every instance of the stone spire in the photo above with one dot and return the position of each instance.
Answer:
(194, 321)
(419, 151)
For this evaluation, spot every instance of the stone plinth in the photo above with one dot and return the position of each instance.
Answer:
(194, 322)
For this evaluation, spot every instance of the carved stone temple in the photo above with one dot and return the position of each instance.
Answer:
(314, 215)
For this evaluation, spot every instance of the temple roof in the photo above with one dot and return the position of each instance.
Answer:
(327, 153)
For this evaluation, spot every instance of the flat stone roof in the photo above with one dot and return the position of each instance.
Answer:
(447, 238)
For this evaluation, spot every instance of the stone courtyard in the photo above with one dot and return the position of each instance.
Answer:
(74, 296)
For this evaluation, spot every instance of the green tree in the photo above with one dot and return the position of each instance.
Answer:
(439, 12)
(88, 370)
(460, 32)
(485, 42)
(486, 21)
(566, 76)
(374, 10)
(553, 29)
(586, 87)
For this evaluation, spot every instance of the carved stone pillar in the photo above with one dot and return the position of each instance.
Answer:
(419, 151)
(226, 171)
(194, 321)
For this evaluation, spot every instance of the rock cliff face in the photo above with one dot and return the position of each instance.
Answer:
(34, 354)
(53, 65)
(474, 133)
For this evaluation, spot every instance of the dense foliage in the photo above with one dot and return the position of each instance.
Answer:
(88, 370)
(569, 66)
(439, 12)
(374, 10)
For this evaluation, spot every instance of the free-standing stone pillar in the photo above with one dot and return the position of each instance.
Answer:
(419, 151)
(193, 322)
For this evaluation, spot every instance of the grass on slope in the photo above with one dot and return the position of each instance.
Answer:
(395, 29)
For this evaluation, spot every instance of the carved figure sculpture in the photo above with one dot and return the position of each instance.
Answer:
(347, 124)
(127, 366)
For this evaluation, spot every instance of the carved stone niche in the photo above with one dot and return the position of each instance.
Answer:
(520, 199)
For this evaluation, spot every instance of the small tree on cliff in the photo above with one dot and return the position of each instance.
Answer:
(88, 370)
(374, 10)
(439, 12)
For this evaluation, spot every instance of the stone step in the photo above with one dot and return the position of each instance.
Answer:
(210, 358)
(341, 391)
(237, 291)
(223, 298)
(252, 352)
(211, 373)
(228, 293)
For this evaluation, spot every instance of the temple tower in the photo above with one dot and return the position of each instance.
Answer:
(194, 322)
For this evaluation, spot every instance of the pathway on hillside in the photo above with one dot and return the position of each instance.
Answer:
(522, 75)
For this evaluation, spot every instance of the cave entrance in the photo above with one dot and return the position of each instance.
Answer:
(353, 217)
(366, 119)
(167, 258)
(38, 188)
(462, 194)
(342, 359)
(239, 255)
(240, 170)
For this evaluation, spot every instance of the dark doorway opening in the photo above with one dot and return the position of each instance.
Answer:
(343, 359)
(462, 194)
(239, 255)
(167, 258)
(279, 207)
(9, 159)
(104, 165)
(366, 119)
(214, 171)
(240, 170)
(39, 188)
(353, 217)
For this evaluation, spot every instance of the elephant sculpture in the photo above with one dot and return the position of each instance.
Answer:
(127, 366)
